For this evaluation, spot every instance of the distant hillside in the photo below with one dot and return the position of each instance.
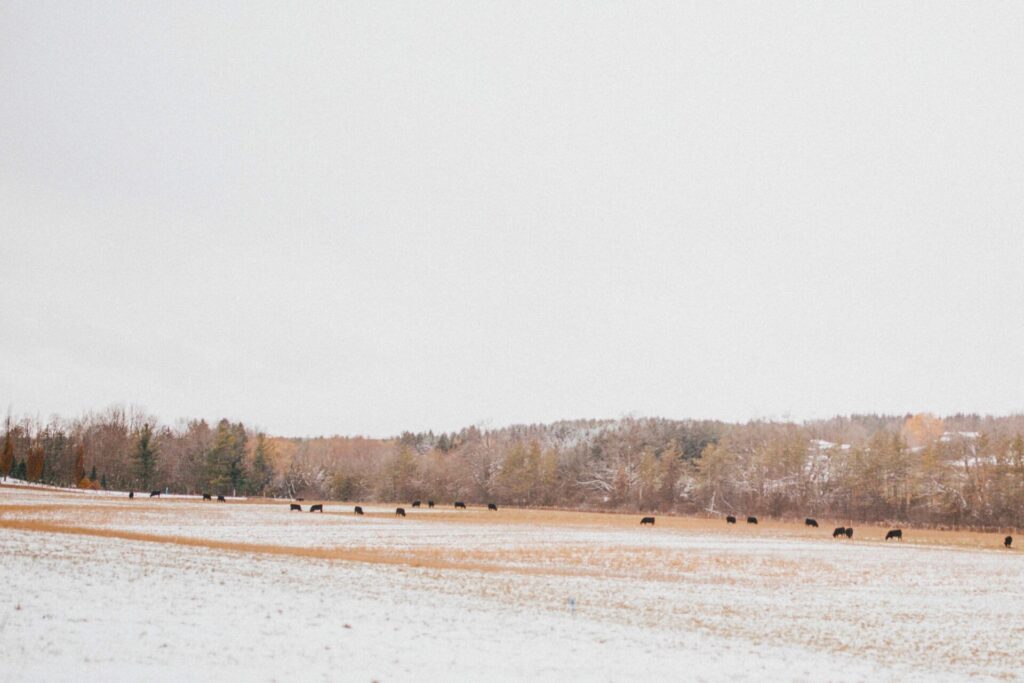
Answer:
(959, 469)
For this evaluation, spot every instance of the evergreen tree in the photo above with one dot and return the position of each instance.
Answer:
(262, 471)
(145, 457)
(443, 443)
(225, 462)
(103, 480)
(92, 475)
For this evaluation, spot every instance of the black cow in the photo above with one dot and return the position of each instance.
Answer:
(849, 532)
(399, 512)
(430, 503)
(131, 494)
(492, 506)
(295, 507)
(207, 496)
(751, 520)
(316, 508)
(1008, 541)
(840, 531)
(460, 504)
(221, 499)
(154, 494)
(894, 533)
(730, 520)
(647, 520)
(359, 510)
(415, 503)
(811, 522)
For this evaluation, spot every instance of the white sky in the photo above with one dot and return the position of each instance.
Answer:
(369, 217)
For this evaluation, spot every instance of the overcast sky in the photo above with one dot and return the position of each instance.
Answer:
(369, 217)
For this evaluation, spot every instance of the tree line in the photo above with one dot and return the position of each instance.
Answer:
(960, 470)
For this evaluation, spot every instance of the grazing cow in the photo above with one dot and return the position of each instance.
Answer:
(849, 532)
(221, 499)
(1008, 541)
(840, 531)
(154, 494)
(894, 533)
(399, 512)
(430, 503)
(295, 507)
(492, 506)
(316, 508)
(647, 520)
(751, 520)
(207, 496)
(730, 520)
(131, 494)
(359, 510)
(415, 503)
(460, 504)
(811, 522)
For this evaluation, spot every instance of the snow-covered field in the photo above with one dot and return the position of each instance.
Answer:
(99, 587)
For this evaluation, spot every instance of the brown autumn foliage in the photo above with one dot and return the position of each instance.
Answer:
(80, 463)
(922, 429)
(7, 455)
(35, 462)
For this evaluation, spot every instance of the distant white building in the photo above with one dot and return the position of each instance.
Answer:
(949, 436)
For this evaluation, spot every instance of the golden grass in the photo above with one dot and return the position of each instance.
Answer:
(425, 557)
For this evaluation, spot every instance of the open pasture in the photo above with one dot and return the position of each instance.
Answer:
(103, 586)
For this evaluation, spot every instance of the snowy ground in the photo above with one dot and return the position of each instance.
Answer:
(101, 587)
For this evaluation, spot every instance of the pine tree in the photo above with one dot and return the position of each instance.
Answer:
(262, 471)
(145, 457)
(225, 462)
(103, 482)
(92, 475)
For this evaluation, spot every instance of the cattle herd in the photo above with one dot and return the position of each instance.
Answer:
(840, 532)
(399, 512)
(295, 507)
